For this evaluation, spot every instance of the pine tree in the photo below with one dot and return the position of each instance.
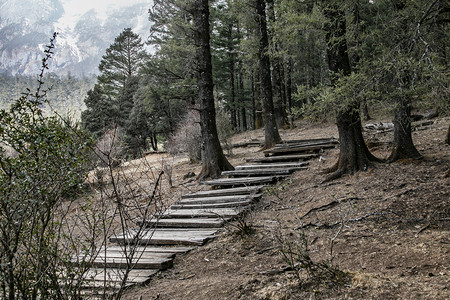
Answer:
(110, 102)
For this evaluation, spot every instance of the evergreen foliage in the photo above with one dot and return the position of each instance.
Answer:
(110, 102)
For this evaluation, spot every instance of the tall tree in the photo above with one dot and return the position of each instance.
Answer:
(277, 70)
(111, 98)
(272, 135)
(354, 155)
(213, 158)
(122, 60)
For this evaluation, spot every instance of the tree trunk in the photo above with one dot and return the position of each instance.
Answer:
(448, 136)
(289, 90)
(403, 143)
(354, 155)
(213, 159)
(242, 101)
(272, 135)
(279, 108)
(232, 90)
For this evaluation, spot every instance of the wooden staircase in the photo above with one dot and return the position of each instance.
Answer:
(196, 218)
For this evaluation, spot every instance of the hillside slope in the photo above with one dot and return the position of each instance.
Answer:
(388, 229)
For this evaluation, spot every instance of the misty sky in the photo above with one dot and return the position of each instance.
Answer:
(75, 8)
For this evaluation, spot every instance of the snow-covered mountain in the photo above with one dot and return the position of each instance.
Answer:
(84, 33)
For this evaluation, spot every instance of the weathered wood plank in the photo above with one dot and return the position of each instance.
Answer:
(135, 256)
(247, 144)
(241, 181)
(297, 149)
(138, 276)
(203, 213)
(167, 249)
(167, 236)
(226, 192)
(211, 205)
(291, 165)
(186, 223)
(219, 199)
(259, 172)
(160, 263)
(331, 140)
(281, 158)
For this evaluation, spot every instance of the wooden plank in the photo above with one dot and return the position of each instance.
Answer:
(281, 158)
(226, 192)
(167, 236)
(167, 249)
(211, 205)
(136, 255)
(186, 223)
(160, 263)
(259, 172)
(298, 149)
(203, 213)
(241, 181)
(291, 165)
(309, 141)
(219, 199)
(116, 275)
(246, 144)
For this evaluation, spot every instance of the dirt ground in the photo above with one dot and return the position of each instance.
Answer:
(387, 229)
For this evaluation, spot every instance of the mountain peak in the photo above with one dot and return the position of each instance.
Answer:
(84, 33)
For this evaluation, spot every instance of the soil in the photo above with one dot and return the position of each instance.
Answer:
(387, 230)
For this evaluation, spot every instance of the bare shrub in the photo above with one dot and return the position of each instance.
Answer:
(187, 137)
(109, 147)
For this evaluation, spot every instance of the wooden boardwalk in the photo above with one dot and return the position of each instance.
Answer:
(195, 219)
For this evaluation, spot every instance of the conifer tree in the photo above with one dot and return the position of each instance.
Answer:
(110, 102)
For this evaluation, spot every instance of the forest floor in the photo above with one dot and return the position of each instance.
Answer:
(387, 230)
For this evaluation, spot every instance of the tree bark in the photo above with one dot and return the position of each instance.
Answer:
(354, 155)
(213, 158)
(278, 97)
(242, 101)
(447, 140)
(232, 89)
(272, 135)
(289, 90)
(403, 143)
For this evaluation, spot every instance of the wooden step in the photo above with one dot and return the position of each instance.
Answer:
(225, 213)
(247, 181)
(219, 199)
(186, 223)
(167, 236)
(149, 249)
(297, 149)
(246, 190)
(160, 263)
(309, 142)
(259, 172)
(212, 205)
(291, 165)
(282, 158)
(135, 276)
